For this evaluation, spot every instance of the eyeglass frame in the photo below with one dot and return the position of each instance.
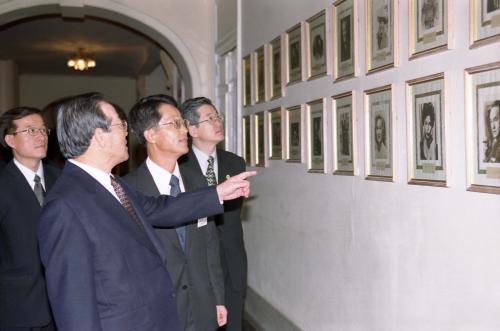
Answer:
(176, 123)
(123, 125)
(32, 131)
(211, 119)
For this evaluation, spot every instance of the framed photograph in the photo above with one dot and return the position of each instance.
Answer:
(274, 129)
(260, 85)
(293, 55)
(260, 149)
(247, 81)
(316, 45)
(315, 135)
(344, 39)
(485, 21)
(482, 122)
(378, 134)
(275, 68)
(247, 146)
(293, 134)
(343, 134)
(428, 26)
(379, 35)
(426, 131)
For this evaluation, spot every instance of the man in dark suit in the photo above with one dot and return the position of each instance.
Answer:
(105, 267)
(205, 165)
(24, 304)
(192, 251)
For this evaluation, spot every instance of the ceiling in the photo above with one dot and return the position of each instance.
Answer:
(44, 44)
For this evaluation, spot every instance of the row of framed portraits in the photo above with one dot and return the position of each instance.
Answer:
(428, 33)
(314, 134)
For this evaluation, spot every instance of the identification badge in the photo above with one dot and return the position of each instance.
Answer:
(202, 222)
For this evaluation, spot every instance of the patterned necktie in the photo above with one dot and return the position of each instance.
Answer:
(124, 200)
(175, 189)
(39, 191)
(211, 179)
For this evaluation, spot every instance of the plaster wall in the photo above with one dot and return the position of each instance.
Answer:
(343, 253)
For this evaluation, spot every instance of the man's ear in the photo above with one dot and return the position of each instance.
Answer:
(193, 131)
(9, 140)
(99, 137)
(150, 135)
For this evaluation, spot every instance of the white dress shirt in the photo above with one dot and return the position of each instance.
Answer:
(30, 175)
(203, 161)
(162, 177)
(102, 177)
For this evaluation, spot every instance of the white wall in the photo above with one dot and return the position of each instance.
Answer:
(344, 253)
(40, 90)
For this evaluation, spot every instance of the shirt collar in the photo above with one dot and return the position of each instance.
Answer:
(203, 158)
(30, 174)
(162, 177)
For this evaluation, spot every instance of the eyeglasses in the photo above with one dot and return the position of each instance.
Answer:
(211, 119)
(34, 131)
(123, 125)
(177, 123)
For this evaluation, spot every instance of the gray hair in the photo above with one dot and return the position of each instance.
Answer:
(189, 109)
(77, 119)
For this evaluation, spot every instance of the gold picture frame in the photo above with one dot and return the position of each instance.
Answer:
(380, 35)
(343, 133)
(246, 140)
(260, 146)
(428, 27)
(275, 134)
(275, 78)
(485, 22)
(316, 136)
(247, 81)
(344, 39)
(293, 42)
(259, 74)
(294, 134)
(316, 45)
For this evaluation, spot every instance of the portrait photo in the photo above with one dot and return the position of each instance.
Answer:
(428, 26)
(379, 134)
(275, 67)
(260, 75)
(344, 39)
(483, 128)
(260, 160)
(380, 52)
(426, 131)
(343, 134)
(294, 59)
(293, 119)
(247, 81)
(315, 159)
(316, 32)
(274, 125)
(485, 22)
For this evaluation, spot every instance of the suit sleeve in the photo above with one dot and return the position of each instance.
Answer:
(66, 253)
(215, 274)
(167, 211)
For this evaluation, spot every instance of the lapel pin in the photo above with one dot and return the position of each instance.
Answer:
(227, 177)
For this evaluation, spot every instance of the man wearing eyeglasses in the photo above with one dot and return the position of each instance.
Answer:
(24, 304)
(192, 251)
(208, 165)
(105, 267)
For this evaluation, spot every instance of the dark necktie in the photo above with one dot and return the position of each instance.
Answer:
(124, 200)
(175, 190)
(39, 191)
(211, 179)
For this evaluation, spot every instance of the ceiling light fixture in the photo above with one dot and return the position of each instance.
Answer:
(81, 61)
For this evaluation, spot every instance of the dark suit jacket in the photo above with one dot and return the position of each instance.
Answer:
(196, 273)
(233, 254)
(103, 272)
(23, 296)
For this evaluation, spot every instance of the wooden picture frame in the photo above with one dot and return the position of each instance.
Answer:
(315, 136)
(378, 134)
(294, 134)
(246, 140)
(316, 45)
(275, 130)
(259, 74)
(485, 22)
(428, 26)
(343, 132)
(380, 35)
(344, 39)
(275, 68)
(247, 81)
(260, 149)
(293, 48)
(426, 130)
(482, 122)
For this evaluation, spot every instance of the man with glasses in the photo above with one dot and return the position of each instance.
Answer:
(208, 165)
(192, 250)
(24, 304)
(105, 266)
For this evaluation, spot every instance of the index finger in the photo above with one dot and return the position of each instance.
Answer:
(245, 175)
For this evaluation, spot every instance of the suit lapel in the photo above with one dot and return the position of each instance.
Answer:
(222, 171)
(23, 185)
